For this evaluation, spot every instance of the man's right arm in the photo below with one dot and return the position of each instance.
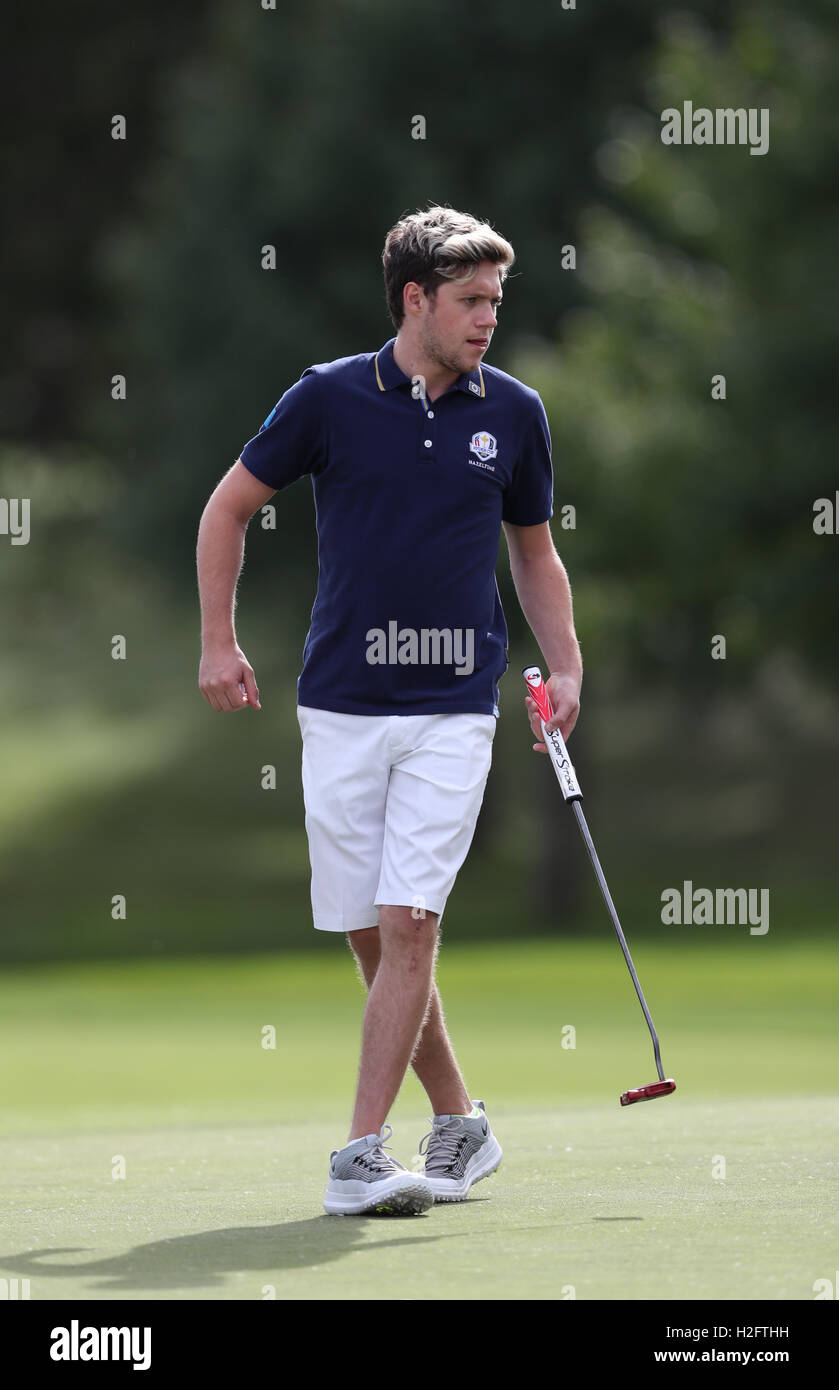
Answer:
(221, 548)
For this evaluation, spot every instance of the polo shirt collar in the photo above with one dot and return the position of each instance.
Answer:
(388, 374)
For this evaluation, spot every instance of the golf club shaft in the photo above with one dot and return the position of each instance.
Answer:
(604, 888)
(571, 791)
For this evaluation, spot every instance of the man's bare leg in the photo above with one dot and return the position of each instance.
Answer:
(433, 1059)
(397, 1004)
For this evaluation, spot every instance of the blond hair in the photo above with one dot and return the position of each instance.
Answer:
(436, 245)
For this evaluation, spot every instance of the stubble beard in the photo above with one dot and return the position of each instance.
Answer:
(434, 352)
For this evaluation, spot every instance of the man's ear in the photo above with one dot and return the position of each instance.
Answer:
(412, 297)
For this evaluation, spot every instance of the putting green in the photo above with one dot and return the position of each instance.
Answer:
(157, 1069)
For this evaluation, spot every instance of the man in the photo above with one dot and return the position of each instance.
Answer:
(418, 455)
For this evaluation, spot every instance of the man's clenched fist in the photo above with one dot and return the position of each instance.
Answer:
(226, 679)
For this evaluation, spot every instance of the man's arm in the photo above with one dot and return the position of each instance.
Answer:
(545, 596)
(221, 549)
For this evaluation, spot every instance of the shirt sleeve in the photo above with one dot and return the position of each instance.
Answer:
(291, 442)
(528, 500)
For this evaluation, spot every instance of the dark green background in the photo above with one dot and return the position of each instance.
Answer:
(694, 517)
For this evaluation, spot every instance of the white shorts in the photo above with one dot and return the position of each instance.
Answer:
(391, 806)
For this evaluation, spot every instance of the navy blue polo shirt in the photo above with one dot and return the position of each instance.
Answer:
(409, 499)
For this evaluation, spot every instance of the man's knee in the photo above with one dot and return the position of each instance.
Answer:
(406, 935)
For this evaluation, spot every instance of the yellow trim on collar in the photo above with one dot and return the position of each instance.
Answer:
(381, 386)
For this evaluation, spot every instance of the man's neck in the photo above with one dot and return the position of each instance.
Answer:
(410, 360)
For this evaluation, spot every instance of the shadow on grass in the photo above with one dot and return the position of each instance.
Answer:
(202, 1260)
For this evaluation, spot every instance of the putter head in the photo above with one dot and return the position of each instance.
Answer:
(651, 1092)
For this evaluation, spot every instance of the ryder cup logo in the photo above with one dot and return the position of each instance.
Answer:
(484, 445)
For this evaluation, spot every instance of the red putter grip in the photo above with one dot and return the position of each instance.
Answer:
(554, 742)
(539, 692)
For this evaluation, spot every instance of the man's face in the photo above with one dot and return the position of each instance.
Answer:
(457, 324)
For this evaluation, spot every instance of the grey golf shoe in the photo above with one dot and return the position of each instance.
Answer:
(363, 1178)
(459, 1153)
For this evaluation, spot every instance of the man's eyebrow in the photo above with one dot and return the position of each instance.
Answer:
(470, 294)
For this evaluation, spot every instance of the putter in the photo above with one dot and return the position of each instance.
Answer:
(570, 788)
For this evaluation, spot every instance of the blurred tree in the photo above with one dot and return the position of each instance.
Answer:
(694, 514)
(64, 72)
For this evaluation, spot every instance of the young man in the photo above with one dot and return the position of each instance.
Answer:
(418, 455)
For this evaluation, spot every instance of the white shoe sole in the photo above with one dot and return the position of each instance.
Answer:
(485, 1161)
(408, 1196)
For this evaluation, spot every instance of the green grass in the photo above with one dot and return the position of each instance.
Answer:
(225, 1142)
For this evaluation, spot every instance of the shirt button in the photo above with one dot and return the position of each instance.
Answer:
(428, 443)
(431, 414)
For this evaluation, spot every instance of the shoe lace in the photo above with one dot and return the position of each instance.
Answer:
(376, 1155)
(445, 1135)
